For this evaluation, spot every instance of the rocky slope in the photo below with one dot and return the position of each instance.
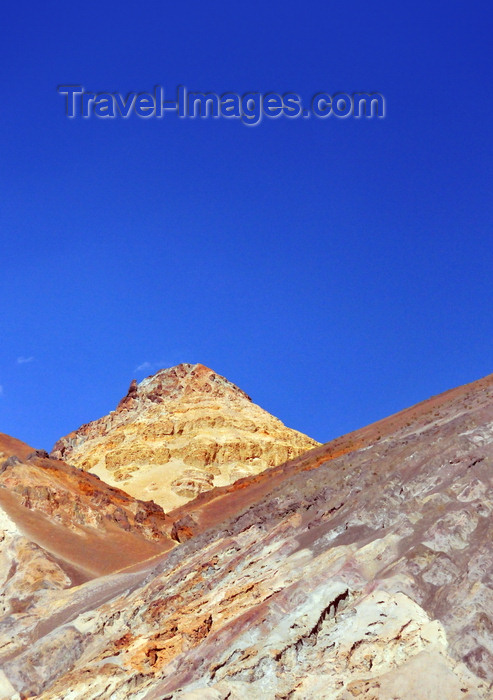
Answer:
(91, 526)
(60, 527)
(179, 433)
(360, 570)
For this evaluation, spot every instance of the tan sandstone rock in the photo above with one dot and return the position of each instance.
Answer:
(179, 433)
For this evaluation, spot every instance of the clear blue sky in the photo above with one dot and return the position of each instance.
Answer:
(336, 270)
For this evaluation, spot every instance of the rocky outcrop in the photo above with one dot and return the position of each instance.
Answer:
(92, 527)
(59, 528)
(179, 433)
(361, 570)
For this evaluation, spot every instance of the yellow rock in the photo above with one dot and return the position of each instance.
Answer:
(178, 433)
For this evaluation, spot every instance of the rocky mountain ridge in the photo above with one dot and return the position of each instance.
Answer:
(362, 569)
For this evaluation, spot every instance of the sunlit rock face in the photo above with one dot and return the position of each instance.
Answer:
(179, 433)
(362, 569)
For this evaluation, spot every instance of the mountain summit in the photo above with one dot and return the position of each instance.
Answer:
(184, 379)
(178, 433)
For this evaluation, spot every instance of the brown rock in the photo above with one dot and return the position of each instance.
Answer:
(184, 529)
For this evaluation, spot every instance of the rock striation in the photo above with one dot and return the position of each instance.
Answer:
(361, 570)
(59, 528)
(179, 433)
(88, 527)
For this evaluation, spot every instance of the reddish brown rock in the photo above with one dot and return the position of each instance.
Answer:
(75, 516)
(184, 528)
(11, 447)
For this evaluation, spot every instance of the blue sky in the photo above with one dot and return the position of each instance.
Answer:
(336, 270)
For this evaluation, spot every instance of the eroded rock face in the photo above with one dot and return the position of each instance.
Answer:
(363, 569)
(59, 528)
(76, 518)
(178, 434)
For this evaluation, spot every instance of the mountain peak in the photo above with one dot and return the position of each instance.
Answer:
(179, 432)
(182, 380)
(185, 379)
